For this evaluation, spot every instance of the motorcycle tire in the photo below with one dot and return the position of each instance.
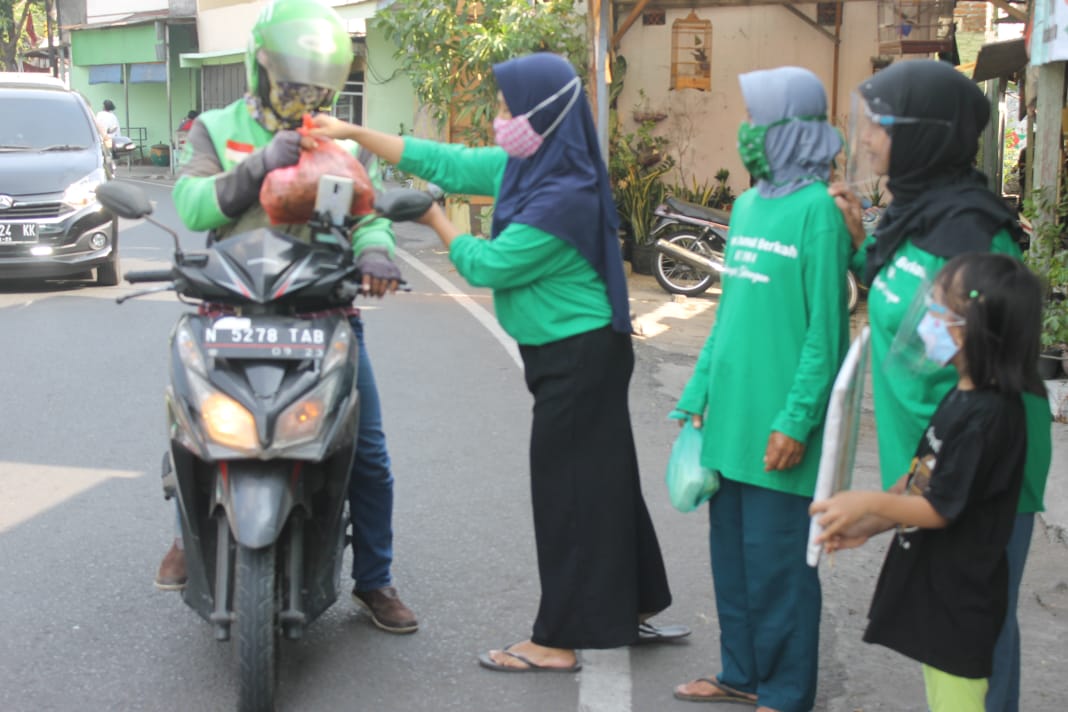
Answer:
(680, 278)
(256, 620)
(853, 290)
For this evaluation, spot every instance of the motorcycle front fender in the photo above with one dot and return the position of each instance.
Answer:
(257, 498)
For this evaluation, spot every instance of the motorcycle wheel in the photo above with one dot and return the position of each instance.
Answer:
(680, 278)
(256, 642)
(854, 291)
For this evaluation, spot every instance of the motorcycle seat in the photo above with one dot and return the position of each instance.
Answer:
(700, 212)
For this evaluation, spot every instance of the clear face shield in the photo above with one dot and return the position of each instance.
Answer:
(867, 153)
(922, 345)
(868, 147)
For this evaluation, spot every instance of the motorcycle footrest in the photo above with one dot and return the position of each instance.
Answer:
(222, 623)
(293, 622)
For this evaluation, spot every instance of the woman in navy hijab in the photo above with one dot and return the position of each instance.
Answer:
(553, 262)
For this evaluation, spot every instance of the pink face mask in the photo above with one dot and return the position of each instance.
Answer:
(518, 138)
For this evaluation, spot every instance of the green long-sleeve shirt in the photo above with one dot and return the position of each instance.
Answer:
(905, 400)
(544, 290)
(781, 331)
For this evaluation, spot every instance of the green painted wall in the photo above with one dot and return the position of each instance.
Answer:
(389, 99)
(113, 45)
(142, 105)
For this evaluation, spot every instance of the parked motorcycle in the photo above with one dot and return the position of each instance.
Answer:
(691, 244)
(122, 147)
(262, 412)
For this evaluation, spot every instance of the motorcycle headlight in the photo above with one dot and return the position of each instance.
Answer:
(83, 192)
(304, 419)
(229, 423)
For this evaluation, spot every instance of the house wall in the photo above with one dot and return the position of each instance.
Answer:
(99, 11)
(703, 125)
(389, 97)
(141, 105)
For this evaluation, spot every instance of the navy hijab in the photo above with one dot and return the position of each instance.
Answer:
(562, 189)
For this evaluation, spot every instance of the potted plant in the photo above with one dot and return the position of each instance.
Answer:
(1047, 255)
(637, 164)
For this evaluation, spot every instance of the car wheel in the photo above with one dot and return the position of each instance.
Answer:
(107, 274)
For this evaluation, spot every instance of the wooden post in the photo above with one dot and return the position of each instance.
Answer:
(1044, 148)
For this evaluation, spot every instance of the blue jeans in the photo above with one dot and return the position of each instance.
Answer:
(767, 598)
(371, 483)
(1004, 692)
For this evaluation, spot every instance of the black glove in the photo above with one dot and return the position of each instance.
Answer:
(380, 274)
(282, 151)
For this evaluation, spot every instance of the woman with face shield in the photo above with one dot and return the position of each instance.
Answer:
(919, 124)
(760, 389)
(554, 265)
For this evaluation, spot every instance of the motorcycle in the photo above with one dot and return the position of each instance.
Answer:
(262, 412)
(122, 147)
(691, 244)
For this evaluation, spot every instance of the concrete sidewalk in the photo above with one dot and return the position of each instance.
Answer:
(680, 325)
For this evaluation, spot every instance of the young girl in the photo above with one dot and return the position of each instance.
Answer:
(942, 593)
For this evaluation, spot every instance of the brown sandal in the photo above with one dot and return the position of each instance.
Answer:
(723, 694)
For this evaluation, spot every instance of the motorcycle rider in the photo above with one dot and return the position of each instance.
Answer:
(298, 59)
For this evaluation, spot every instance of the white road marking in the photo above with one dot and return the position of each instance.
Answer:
(28, 489)
(484, 317)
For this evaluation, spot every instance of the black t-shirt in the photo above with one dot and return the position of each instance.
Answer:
(942, 593)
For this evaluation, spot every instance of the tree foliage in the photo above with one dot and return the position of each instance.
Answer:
(13, 38)
(448, 50)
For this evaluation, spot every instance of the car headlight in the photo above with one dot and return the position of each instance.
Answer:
(83, 192)
(304, 419)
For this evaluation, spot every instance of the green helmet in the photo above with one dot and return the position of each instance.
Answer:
(299, 41)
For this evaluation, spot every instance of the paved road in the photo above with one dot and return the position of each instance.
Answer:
(82, 524)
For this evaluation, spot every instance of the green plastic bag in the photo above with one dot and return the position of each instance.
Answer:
(689, 483)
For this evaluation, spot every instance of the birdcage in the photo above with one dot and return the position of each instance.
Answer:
(915, 26)
(691, 53)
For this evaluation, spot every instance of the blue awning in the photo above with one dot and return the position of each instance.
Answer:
(148, 72)
(105, 74)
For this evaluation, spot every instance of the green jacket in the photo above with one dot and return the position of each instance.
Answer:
(781, 332)
(905, 400)
(222, 171)
(543, 289)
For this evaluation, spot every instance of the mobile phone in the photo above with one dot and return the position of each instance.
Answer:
(334, 198)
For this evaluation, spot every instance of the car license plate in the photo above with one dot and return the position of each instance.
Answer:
(264, 338)
(18, 233)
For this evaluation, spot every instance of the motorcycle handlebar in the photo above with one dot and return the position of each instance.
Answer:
(149, 275)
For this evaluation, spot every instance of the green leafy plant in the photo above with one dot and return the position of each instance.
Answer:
(448, 51)
(1047, 255)
(636, 166)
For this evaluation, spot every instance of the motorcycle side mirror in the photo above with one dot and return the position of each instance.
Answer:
(403, 204)
(128, 201)
(124, 199)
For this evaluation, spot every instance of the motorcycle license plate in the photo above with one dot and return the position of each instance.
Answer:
(18, 233)
(264, 338)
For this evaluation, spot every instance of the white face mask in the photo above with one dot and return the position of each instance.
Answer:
(518, 137)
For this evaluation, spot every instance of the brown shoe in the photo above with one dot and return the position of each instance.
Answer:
(171, 575)
(386, 609)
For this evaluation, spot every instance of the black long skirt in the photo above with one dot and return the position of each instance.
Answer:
(598, 557)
